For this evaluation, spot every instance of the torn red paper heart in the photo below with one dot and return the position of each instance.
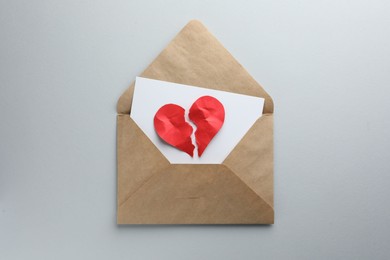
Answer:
(207, 113)
(171, 126)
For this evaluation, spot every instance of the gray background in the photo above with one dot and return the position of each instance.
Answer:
(63, 64)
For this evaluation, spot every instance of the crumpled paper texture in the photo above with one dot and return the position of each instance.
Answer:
(170, 126)
(208, 114)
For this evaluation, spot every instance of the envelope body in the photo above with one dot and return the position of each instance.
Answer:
(238, 191)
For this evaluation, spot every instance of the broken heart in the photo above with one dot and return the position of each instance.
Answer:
(207, 113)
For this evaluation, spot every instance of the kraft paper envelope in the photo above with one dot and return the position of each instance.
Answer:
(238, 191)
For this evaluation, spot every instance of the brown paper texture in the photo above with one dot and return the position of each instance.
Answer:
(153, 191)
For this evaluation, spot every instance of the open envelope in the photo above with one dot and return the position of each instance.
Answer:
(238, 191)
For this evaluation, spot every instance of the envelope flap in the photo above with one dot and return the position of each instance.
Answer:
(195, 57)
(194, 194)
(256, 150)
(136, 155)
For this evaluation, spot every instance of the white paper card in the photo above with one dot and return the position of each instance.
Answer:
(241, 112)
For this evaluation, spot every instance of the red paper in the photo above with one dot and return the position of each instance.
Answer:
(208, 114)
(171, 126)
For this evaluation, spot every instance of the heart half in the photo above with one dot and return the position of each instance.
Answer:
(171, 126)
(208, 114)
